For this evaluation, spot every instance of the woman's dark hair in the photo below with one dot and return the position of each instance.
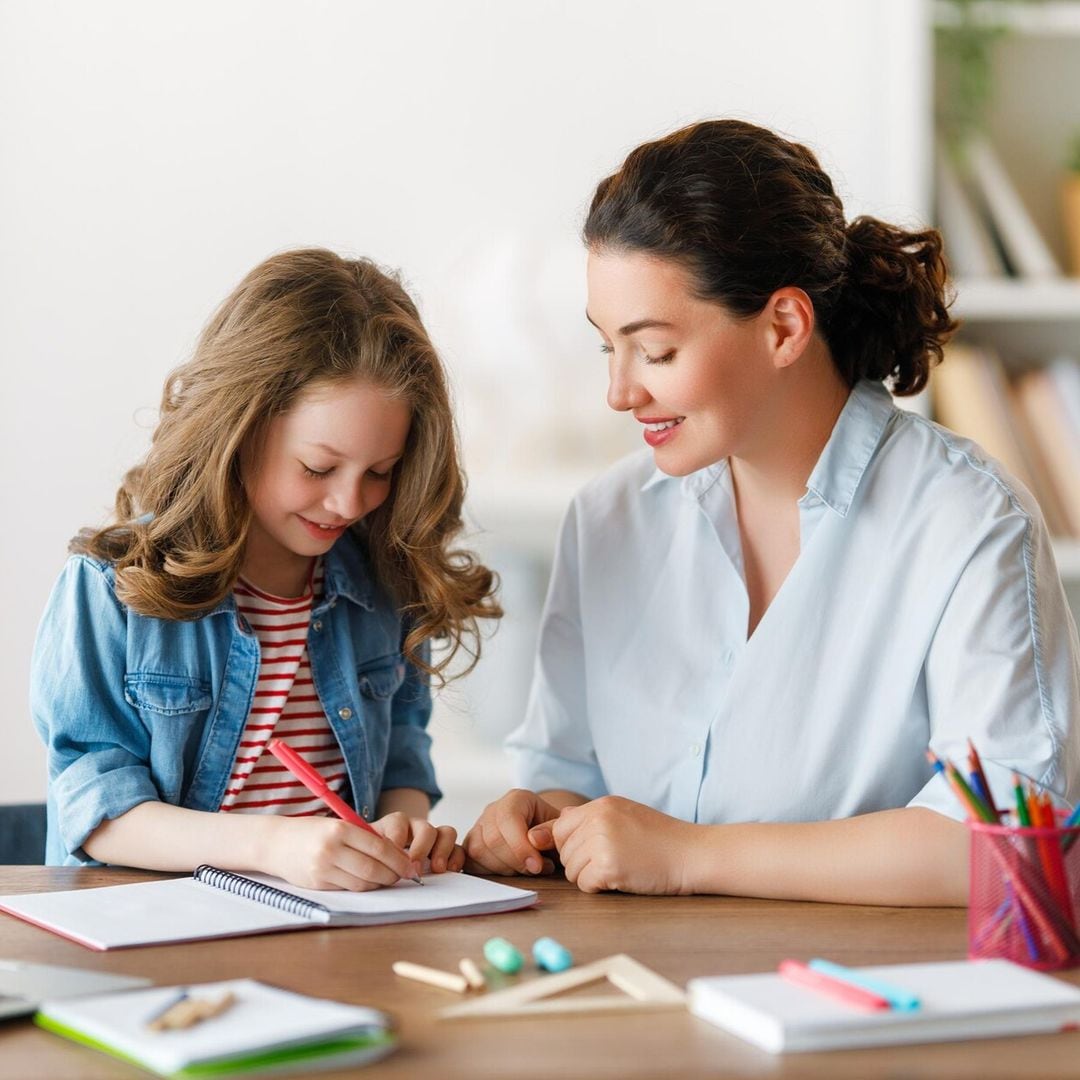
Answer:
(747, 212)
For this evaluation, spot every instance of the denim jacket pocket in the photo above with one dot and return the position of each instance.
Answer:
(382, 679)
(169, 695)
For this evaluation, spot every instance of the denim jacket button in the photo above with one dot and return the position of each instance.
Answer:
(345, 713)
(317, 624)
(364, 811)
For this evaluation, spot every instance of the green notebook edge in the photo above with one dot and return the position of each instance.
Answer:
(380, 1043)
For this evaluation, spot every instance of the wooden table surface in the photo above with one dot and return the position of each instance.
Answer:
(679, 937)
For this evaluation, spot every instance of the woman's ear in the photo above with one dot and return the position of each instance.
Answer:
(790, 318)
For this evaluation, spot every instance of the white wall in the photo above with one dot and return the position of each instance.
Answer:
(149, 156)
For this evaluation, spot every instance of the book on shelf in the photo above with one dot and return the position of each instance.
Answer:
(1012, 422)
(1023, 245)
(970, 247)
(1041, 394)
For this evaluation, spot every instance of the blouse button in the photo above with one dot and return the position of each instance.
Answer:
(345, 713)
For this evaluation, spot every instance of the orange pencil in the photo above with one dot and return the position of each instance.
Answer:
(976, 767)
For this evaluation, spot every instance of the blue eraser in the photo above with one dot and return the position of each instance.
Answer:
(550, 955)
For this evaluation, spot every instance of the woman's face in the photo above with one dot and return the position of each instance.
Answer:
(697, 379)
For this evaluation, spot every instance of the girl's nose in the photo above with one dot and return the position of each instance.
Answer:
(347, 501)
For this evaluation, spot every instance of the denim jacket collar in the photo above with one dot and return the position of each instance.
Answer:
(346, 574)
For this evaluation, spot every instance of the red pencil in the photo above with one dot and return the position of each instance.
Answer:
(312, 779)
(796, 972)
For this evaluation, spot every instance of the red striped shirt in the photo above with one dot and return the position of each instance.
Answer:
(285, 706)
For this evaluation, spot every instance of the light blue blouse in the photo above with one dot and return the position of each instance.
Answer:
(924, 607)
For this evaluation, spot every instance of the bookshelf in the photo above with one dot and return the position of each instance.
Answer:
(1024, 310)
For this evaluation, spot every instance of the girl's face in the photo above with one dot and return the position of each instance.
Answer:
(697, 379)
(323, 465)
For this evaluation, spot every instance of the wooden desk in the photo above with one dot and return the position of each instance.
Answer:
(679, 937)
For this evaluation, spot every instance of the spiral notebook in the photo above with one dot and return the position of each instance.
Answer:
(218, 903)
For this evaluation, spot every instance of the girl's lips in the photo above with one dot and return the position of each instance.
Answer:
(321, 533)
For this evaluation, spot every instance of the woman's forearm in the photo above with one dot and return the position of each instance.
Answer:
(906, 857)
(160, 836)
(560, 798)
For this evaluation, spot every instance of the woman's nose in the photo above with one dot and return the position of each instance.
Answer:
(625, 392)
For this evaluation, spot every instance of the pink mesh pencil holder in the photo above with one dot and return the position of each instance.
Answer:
(1025, 895)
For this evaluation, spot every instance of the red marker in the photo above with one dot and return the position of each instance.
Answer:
(793, 971)
(312, 779)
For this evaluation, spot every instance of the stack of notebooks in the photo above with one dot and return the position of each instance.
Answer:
(264, 1031)
(217, 903)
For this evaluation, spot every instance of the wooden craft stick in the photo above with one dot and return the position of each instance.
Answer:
(472, 974)
(445, 980)
(192, 1010)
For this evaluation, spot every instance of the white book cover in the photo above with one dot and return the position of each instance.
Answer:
(263, 1020)
(189, 909)
(1024, 244)
(967, 999)
(969, 248)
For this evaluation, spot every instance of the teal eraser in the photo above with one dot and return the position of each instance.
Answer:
(501, 955)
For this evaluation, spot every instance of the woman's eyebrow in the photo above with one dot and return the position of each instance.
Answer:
(636, 325)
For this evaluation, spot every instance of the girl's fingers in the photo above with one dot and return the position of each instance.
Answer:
(456, 863)
(395, 827)
(362, 845)
(424, 835)
(442, 848)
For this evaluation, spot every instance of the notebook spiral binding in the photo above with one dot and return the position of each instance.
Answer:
(263, 894)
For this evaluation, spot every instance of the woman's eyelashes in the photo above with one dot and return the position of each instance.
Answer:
(666, 358)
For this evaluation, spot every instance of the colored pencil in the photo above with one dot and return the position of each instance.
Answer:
(984, 784)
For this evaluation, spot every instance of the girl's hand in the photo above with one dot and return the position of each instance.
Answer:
(499, 841)
(327, 853)
(613, 843)
(423, 840)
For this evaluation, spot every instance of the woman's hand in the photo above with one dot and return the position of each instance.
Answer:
(422, 840)
(499, 841)
(613, 843)
(327, 853)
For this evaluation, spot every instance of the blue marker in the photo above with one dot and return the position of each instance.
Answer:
(898, 998)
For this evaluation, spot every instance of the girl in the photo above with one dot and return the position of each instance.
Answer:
(276, 567)
(755, 631)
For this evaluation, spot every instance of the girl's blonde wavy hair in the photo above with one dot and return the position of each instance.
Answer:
(298, 319)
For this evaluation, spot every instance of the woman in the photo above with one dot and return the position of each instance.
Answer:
(755, 631)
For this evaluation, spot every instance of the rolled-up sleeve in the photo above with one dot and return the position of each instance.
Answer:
(408, 763)
(1002, 669)
(98, 750)
(553, 747)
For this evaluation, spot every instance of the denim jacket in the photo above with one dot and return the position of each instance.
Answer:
(134, 708)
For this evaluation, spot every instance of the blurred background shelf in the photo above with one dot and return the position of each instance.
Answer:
(1026, 320)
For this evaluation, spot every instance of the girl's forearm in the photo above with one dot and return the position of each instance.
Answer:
(906, 857)
(412, 802)
(160, 836)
